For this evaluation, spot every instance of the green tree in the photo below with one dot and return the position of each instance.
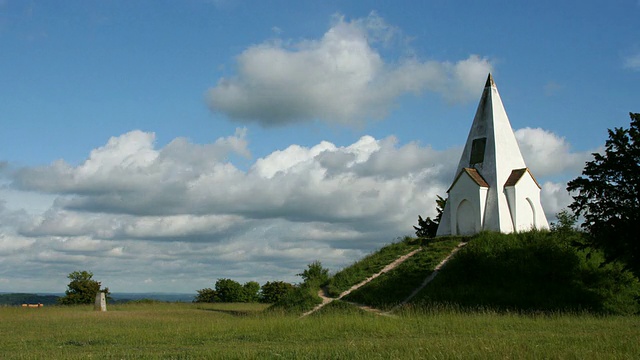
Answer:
(428, 228)
(566, 222)
(315, 274)
(82, 289)
(206, 295)
(608, 196)
(250, 291)
(229, 291)
(273, 291)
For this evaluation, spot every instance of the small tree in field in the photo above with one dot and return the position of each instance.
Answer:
(608, 196)
(273, 291)
(82, 289)
(229, 291)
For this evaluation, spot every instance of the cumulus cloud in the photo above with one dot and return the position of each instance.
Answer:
(184, 213)
(548, 154)
(129, 177)
(186, 207)
(555, 198)
(340, 78)
(129, 162)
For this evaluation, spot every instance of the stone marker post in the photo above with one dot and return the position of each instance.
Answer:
(101, 302)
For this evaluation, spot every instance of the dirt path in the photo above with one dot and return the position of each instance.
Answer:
(431, 276)
(326, 300)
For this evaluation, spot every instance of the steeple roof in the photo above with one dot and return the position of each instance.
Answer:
(496, 199)
(492, 150)
(491, 146)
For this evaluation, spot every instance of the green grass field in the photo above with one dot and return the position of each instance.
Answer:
(244, 331)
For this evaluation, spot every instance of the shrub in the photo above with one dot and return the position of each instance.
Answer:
(250, 292)
(272, 292)
(301, 298)
(315, 274)
(206, 295)
(227, 290)
(305, 296)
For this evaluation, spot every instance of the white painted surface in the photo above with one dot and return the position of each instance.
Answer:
(501, 156)
(101, 302)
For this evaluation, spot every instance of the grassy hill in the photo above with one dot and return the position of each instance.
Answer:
(531, 272)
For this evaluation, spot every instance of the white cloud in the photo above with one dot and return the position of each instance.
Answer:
(547, 154)
(339, 78)
(184, 215)
(555, 198)
(129, 162)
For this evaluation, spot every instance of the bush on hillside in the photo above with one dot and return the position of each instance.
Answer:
(301, 298)
(304, 296)
(273, 291)
(315, 274)
(537, 270)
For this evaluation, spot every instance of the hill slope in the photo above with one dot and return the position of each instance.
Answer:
(532, 271)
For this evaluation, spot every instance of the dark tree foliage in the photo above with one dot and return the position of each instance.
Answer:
(428, 228)
(315, 274)
(273, 291)
(82, 289)
(608, 196)
(206, 295)
(566, 222)
(250, 292)
(228, 291)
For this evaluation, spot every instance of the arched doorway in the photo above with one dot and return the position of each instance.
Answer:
(533, 214)
(465, 218)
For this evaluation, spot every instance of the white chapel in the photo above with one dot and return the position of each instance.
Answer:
(492, 189)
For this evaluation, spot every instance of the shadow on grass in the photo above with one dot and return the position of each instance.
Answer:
(237, 313)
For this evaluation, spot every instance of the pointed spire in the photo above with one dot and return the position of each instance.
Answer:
(490, 82)
(491, 152)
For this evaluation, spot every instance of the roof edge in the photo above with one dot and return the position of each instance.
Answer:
(517, 174)
(474, 175)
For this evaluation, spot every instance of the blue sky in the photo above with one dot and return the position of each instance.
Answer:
(185, 141)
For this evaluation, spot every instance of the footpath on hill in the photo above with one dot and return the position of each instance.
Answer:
(327, 300)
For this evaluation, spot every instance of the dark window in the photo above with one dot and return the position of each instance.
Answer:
(477, 151)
